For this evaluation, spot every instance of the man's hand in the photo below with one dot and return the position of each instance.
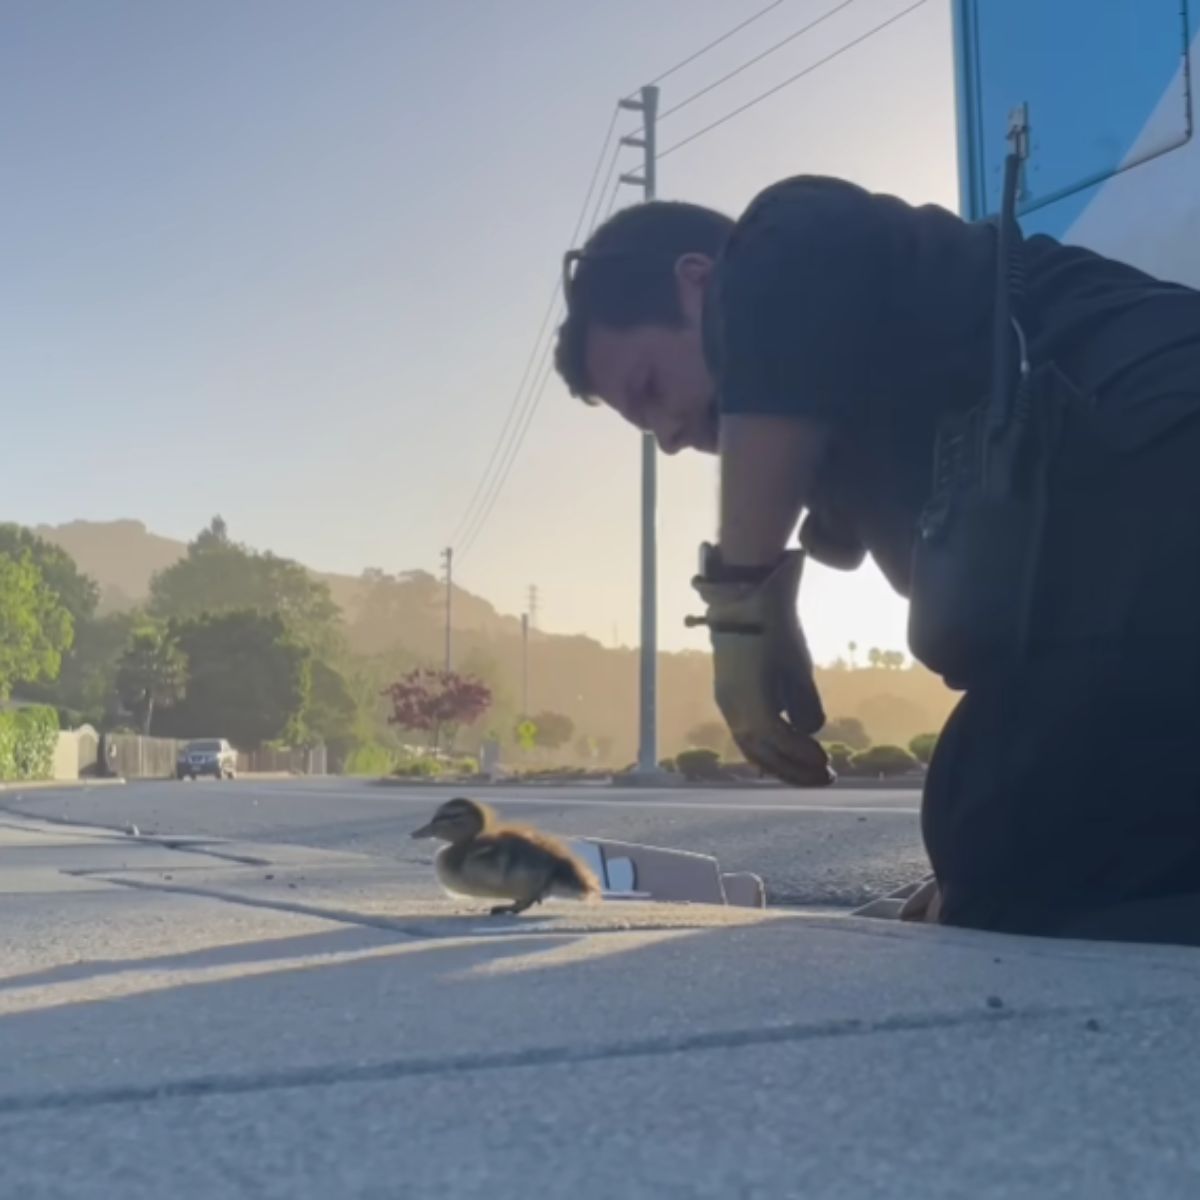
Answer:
(763, 674)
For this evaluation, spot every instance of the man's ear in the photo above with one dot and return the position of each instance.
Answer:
(692, 273)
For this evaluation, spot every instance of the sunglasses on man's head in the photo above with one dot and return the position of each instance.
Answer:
(570, 259)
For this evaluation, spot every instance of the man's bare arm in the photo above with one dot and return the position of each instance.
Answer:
(768, 468)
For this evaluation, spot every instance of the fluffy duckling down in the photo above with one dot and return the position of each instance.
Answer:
(493, 861)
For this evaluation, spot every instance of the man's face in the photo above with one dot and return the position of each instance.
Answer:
(655, 376)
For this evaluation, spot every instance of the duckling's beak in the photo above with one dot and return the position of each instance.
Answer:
(426, 831)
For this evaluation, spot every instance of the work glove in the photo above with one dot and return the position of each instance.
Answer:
(763, 673)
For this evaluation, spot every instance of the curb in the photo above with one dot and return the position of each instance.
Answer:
(913, 783)
(248, 776)
(52, 785)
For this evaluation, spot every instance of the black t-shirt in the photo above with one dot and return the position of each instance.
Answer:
(874, 315)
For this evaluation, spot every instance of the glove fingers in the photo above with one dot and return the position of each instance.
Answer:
(789, 756)
(759, 754)
(801, 701)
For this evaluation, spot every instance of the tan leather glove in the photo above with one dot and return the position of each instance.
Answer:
(763, 673)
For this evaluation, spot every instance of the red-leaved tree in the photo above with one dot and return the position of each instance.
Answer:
(437, 702)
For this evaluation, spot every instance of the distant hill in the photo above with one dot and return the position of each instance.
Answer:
(399, 618)
(120, 556)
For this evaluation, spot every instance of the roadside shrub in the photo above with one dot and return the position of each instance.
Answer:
(840, 757)
(552, 773)
(883, 760)
(699, 765)
(371, 759)
(668, 764)
(28, 737)
(922, 746)
(419, 767)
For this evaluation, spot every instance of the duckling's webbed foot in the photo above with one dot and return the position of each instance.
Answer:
(520, 906)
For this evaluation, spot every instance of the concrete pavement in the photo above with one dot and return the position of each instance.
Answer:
(228, 1019)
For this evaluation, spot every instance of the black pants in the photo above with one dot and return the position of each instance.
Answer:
(1064, 795)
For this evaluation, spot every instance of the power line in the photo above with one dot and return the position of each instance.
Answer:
(510, 456)
(870, 33)
(691, 58)
(791, 37)
(615, 176)
(471, 526)
(612, 198)
(525, 374)
(612, 124)
(513, 408)
(514, 448)
(535, 397)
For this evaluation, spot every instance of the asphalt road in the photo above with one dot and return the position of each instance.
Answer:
(839, 847)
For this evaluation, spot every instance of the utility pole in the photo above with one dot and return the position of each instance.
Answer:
(647, 763)
(533, 604)
(448, 566)
(524, 665)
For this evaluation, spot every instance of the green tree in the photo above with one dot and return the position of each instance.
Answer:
(248, 678)
(152, 673)
(921, 747)
(849, 731)
(87, 681)
(35, 626)
(554, 730)
(333, 714)
(218, 575)
(78, 593)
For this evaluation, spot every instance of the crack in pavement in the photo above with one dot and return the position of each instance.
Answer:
(203, 849)
(182, 843)
(396, 1070)
(52, 820)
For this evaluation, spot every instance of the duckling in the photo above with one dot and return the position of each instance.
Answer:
(493, 861)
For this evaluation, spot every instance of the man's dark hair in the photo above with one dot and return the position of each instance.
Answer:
(625, 275)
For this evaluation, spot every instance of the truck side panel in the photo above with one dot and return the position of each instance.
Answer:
(1113, 161)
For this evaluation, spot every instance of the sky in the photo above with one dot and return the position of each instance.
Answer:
(286, 261)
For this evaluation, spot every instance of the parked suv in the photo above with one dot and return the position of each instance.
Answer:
(209, 756)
